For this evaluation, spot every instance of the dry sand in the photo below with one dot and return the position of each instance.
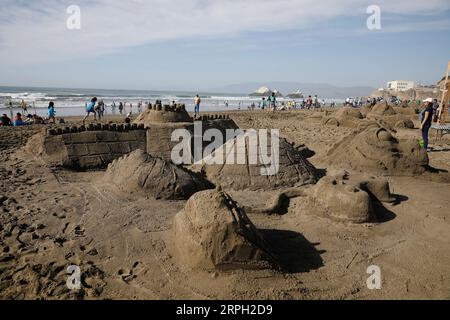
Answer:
(122, 241)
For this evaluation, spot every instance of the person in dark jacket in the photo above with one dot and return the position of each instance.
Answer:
(427, 118)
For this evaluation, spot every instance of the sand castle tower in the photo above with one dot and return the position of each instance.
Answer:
(161, 121)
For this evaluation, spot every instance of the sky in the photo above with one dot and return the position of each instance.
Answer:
(208, 44)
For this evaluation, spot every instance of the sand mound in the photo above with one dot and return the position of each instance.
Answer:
(140, 172)
(347, 112)
(375, 149)
(394, 117)
(343, 117)
(294, 168)
(212, 232)
(346, 199)
(166, 114)
(382, 109)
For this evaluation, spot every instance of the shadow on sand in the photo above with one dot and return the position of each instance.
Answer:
(295, 253)
(382, 213)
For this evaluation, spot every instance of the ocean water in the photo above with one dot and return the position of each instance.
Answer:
(71, 102)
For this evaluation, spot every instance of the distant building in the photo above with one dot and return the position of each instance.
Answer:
(399, 85)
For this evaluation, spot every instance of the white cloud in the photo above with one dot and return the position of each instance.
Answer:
(35, 31)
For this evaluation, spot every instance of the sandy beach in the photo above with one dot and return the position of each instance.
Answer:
(52, 217)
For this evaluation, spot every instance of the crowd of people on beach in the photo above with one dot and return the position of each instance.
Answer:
(24, 118)
(271, 104)
(19, 120)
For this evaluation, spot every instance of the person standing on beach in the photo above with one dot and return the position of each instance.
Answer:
(91, 109)
(197, 102)
(98, 109)
(309, 102)
(120, 107)
(435, 110)
(426, 121)
(51, 112)
(263, 104)
(23, 106)
(113, 108)
(316, 102)
(272, 102)
(139, 106)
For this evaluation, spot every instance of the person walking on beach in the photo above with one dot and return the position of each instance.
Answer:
(197, 102)
(426, 121)
(91, 109)
(51, 112)
(140, 106)
(121, 108)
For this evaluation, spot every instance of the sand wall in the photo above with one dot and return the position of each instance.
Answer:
(94, 148)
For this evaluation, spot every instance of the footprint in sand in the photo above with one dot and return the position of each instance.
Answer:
(128, 275)
(79, 231)
(59, 215)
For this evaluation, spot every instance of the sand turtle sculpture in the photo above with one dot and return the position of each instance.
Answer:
(344, 199)
(375, 149)
(141, 173)
(212, 232)
(346, 116)
(290, 169)
(382, 109)
(395, 117)
(340, 197)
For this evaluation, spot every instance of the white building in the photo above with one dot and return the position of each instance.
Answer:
(400, 85)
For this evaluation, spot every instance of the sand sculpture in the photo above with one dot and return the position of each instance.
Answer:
(346, 199)
(87, 147)
(212, 232)
(388, 116)
(340, 197)
(294, 168)
(163, 114)
(375, 149)
(161, 121)
(346, 116)
(141, 173)
(395, 117)
(382, 109)
(96, 145)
